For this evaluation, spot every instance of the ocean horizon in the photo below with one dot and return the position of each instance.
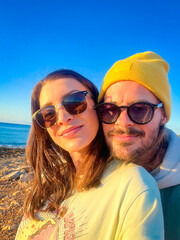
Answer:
(13, 135)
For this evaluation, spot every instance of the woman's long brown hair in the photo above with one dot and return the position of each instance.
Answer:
(55, 176)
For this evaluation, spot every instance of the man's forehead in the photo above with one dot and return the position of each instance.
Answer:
(128, 90)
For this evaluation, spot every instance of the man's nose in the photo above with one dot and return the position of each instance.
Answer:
(123, 119)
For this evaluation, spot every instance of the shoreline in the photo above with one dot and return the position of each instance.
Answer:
(5, 148)
(12, 146)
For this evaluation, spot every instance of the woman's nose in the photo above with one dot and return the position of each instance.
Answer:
(62, 115)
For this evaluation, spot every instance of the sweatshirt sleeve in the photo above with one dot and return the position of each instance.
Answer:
(32, 229)
(144, 218)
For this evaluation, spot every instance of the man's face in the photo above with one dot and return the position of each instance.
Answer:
(127, 140)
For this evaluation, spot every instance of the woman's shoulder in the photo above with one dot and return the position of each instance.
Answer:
(133, 175)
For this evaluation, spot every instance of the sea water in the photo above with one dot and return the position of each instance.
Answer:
(13, 135)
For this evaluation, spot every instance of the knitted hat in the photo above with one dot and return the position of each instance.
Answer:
(147, 69)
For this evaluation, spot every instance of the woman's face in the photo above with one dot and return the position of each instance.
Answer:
(73, 133)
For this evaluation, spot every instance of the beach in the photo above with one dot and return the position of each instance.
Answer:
(14, 185)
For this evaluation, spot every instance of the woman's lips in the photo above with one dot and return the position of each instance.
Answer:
(70, 131)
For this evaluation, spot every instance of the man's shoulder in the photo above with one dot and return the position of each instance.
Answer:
(170, 198)
(170, 191)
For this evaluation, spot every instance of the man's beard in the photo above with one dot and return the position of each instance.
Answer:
(142, 155)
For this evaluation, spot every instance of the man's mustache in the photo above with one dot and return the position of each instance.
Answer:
(128, 131)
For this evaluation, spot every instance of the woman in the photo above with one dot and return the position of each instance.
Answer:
(77, 191)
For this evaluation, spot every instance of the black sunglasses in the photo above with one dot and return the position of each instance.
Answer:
(139, 112)
(74, 104)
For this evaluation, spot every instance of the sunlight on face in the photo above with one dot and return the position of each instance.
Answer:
(126, 139)
(73, 133)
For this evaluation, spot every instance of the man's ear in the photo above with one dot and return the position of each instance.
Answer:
(163, 117)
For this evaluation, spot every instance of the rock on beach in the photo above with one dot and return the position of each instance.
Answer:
(14, 184)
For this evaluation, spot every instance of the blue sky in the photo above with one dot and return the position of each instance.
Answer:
(38, 37)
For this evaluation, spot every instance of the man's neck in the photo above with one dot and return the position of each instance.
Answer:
(153, 163)
(155, 157)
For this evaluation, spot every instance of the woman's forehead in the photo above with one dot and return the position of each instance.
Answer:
(54, 91)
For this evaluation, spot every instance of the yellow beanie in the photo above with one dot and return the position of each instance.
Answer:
(147, 69)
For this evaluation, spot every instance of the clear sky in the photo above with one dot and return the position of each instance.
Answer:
(88, 36)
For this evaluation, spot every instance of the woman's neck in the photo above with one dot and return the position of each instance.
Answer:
(79, 157)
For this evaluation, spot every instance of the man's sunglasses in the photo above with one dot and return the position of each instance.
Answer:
(139, 112)
(74, 104)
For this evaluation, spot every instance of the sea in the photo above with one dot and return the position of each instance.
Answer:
(13, 135)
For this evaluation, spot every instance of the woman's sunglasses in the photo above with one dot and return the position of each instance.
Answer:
(74, 104)
(139, 112)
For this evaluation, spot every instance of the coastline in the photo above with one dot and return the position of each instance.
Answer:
(14, 184)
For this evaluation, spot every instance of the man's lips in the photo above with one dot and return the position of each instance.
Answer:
(124, 137)
(70, 131)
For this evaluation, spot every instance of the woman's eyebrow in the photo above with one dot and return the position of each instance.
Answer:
(65, 95)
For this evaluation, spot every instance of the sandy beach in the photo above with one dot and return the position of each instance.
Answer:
(13, 188)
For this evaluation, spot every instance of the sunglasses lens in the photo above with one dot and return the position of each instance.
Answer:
(46, 117)
(107, 112)
(140, 113)
(75, 103)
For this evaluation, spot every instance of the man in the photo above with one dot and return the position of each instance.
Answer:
(135, 104)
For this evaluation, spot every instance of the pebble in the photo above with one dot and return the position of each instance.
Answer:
(12, 191)
(12, 175)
